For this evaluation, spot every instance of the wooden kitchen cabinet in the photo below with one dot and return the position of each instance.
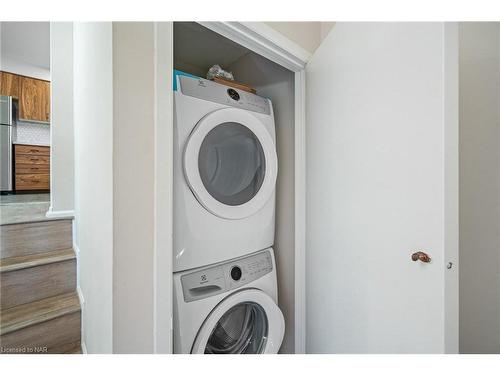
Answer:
(33, 95)
(9, 84)
(32, 181)
(34, 101)
(32, 150)
(32, 167)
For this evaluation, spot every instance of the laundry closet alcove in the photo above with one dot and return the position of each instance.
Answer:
(276, 74)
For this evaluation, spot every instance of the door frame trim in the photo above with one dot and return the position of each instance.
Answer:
(264, 40)
(300, 211)
(163, 190)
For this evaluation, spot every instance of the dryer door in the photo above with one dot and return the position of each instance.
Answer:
(230, 163)
(246, 322)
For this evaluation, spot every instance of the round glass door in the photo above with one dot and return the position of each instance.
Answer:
(231, 163)
(245, 322)
(243, 329)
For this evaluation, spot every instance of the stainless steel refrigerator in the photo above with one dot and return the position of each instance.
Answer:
(7, 123)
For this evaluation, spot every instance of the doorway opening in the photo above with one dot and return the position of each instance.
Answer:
(26, 108)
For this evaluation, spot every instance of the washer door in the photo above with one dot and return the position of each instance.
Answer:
(230, 163)
(247, 322)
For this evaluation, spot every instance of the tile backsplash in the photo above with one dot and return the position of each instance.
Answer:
(32, 133)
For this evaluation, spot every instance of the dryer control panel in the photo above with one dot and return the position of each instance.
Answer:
(215, 92)
(227, 276)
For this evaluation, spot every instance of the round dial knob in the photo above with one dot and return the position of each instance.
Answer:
(233, 94)
(236, 273)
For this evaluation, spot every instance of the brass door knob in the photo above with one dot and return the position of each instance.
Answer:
(421, 256)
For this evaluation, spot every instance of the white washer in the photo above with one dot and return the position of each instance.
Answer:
(225, 168)
(229, 308)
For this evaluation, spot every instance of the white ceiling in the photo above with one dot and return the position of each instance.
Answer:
(27, 42)
(308, 35)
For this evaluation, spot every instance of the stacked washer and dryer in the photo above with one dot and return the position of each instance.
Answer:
(225, 169)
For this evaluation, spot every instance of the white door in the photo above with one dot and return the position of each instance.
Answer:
(381, 185)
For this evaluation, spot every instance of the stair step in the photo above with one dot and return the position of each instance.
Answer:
(35, 237)
(57, 335)
(33, 260)
(22, 316)
(26, 279)
(23, 212)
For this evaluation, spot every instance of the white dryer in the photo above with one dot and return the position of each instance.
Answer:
(229, 308)
(225, 169)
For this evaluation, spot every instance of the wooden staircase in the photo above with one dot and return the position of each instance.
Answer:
(39, 306)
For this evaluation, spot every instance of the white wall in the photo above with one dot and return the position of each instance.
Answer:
(277, 83)
(93, 120)
(62, 159)
(25, 48)
(122, 100)
(308, 35)
(479, 188)
(325, 29)
(133, 179)
(24, 69)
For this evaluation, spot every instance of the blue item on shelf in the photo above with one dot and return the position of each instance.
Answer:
(181, 73)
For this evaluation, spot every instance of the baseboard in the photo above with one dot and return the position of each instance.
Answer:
(76, 249)
(80, 296)
(82, 306)
(69, 214)
(84, 347)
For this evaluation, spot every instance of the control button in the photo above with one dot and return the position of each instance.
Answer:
(233, 94)
(236, 273)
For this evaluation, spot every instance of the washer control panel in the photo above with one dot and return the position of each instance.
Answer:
(224, 277)
(215, 92)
